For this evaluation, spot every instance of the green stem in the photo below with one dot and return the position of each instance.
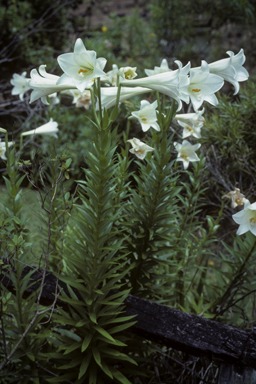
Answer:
(180, 282)
(99, 98)
(7, 153)
(18, 295)
(21, 143)
(94, 108)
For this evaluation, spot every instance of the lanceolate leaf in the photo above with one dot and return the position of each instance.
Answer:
(86, 342)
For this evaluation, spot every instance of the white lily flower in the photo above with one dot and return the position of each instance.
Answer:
(109, 95)
(231, 69)
(81, 66)
(111, 76)
(147, 115)
(139, 148)
(50, 128)
(183, 77)
(237, 62)
(3, 148)
(167, 83)
(246, 218)
(127, 73)
(44, 84)
(21, 84)
(186, 152)
(236, 197)
(192, 123)
(203, 85)
(184, 81)
(163, 68)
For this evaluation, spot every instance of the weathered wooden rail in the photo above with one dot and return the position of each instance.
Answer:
(234, 348)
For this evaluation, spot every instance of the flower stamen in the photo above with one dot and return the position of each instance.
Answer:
(185, 157)
(253, 220)
(82, 71)
(196, 90)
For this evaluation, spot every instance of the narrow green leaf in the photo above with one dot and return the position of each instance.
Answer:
(73, 283)
(69, 334)
(84, 365)
(106, 369)
(96, 355)
(120, 377)
(103, 332)
(73, 347)
(93, 317)
(114, 114)
(86, 342)
(115, 342)
(121, 327)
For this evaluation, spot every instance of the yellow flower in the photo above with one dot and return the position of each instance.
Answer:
(104, 28)
(210, 262)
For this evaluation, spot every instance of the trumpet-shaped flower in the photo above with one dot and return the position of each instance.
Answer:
(231, 69)
(139, 148)
(45, 84)
(167, 83)
(192, 123)
(109, 95)
(81, 66)
(236, 197)
(237, 62)
(163, 68)
(184, 81)
(111, 76)
(147, 115)
(50, 128)
(246, 218)
(21, 84)
(3, 148)
(203, 85)
(186, 152)
(127, 73)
